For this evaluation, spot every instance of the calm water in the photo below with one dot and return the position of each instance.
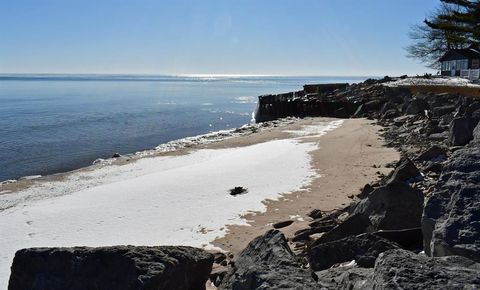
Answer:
(51, 124)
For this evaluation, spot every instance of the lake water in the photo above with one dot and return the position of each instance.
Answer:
(56, 123)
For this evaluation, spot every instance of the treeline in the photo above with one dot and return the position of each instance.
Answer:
(454, 25)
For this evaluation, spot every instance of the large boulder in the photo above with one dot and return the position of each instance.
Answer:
(343, 278)
(268, 263)
(354, 225)
(404, 171)
(410, 239)
(119, 267)
(394, 206)
(451, 218)
(401, 269)
(442, 110)
(434, 152)
(416, 106)
(364, 249)
(461, 130)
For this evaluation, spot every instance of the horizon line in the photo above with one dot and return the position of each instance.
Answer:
(199, 75)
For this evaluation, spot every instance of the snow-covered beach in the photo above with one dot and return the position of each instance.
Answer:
(178, 199)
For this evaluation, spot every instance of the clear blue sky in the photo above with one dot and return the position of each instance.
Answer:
(279, 37)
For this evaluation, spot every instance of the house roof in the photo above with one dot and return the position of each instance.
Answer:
(461, 54)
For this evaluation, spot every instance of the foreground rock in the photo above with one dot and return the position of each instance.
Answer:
(394, 206)
(121, 267)
(400, 269)
(364, 249)
(268, 263)
(451, 218)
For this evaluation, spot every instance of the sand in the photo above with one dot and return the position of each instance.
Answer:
(347, 159)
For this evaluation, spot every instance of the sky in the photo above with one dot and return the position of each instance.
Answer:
(247, 37)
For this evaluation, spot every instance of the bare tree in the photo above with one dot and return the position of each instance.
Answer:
(430, 43)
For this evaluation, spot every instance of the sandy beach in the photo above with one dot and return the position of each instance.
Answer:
(346, 159)
(181, 197)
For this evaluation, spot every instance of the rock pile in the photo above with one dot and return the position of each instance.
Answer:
(417, 228)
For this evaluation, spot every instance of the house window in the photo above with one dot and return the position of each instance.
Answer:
(453, 65)
(446, 65)
(462, 64)
(475, 63)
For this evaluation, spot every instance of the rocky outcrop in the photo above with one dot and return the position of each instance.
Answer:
(268, 263)
(364, 249)
(394, 206)
(120, 267)
(451, 218)
(400, 269)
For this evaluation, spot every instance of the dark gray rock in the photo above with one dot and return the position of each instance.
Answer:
(461, 130)
(434, 167)
(442, 110)
(302, 235)
(416, 106)
(401, 269)
(354, 225)
(219, 257)
(390, 114)
(374, 105)
(217, 274)
(341, 113)
(451, 217)
(404, 171)
(394, 206)
(390, 105)
(359, 112)
(343, 278)
(364, 249)
(120, 267)
(439, 136)
(315, 214)
(410, 239)
(282, 224)
(323, 223)
(366, 190)
(433, 152)
(268, 263)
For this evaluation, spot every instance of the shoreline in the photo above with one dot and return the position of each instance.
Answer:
(289, 135)
(346, 159)
(174, 147)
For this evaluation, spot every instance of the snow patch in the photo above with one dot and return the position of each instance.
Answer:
(434, 81)
(316, 130)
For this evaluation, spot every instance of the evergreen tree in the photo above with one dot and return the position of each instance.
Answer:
(456, 24)
(462, 25)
